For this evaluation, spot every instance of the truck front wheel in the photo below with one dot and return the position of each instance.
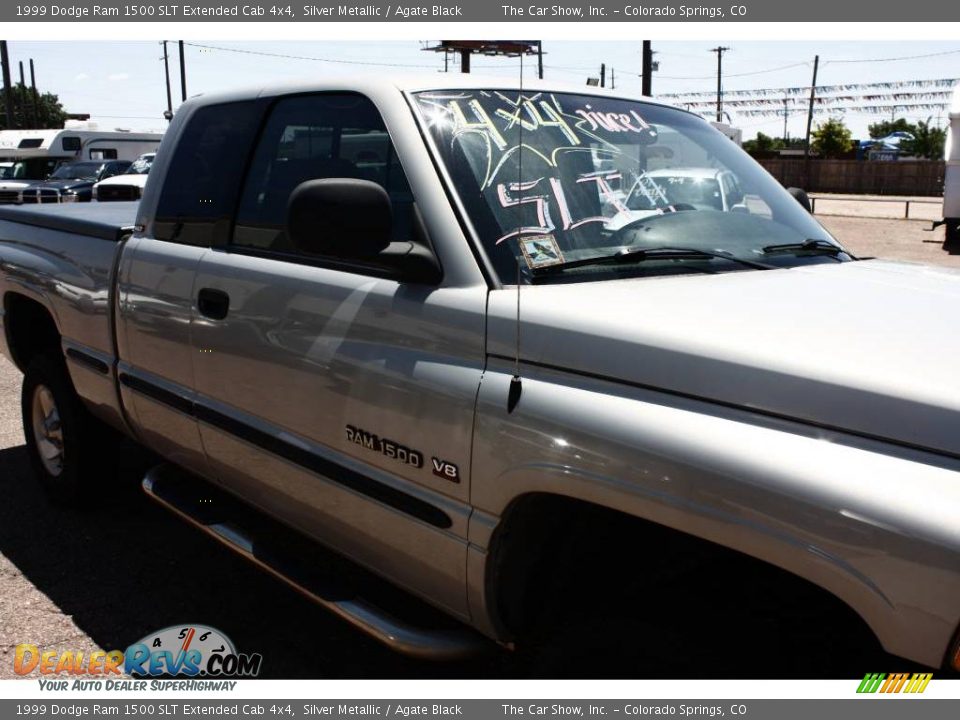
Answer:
(62, 437)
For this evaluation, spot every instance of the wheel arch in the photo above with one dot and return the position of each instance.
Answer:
(539, 531)
(30, 328)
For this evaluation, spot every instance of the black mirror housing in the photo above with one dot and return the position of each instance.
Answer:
(349, 222)
(800, 195)
(341, 218)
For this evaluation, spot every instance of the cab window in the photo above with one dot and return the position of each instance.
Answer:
(200, 189)
(330, 135)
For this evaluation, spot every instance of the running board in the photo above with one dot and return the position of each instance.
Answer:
(326, 578)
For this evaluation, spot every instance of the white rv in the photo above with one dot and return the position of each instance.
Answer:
(28, 156)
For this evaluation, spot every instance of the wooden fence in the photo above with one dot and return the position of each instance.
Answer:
(860, 177)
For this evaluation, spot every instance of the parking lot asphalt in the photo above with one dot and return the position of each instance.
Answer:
(106, 576)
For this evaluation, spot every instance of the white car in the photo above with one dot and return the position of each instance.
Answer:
(128, 185)
(691, 188)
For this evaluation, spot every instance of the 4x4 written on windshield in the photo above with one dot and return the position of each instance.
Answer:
(506, 147)
(572, 176)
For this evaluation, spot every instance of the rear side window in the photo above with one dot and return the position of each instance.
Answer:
(331, 135)
(200, 189)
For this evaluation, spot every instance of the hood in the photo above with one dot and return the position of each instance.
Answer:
(15, 184)
(870, 347)
(126, 179)
(69, 184)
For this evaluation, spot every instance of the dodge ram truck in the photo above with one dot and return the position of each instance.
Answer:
(501, 349)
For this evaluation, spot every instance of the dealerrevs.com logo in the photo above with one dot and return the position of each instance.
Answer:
(193, 650)
(178, 651)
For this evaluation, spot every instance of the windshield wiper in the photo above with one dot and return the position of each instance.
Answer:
(807, 246)
(638, 255)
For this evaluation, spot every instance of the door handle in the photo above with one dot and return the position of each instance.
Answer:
(214, 304)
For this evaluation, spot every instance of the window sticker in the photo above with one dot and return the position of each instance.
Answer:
(540, 250)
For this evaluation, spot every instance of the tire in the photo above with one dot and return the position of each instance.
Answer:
(801, 197)
(64, 441)
(952, 235)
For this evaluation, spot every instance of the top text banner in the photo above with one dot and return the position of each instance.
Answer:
(485, 11)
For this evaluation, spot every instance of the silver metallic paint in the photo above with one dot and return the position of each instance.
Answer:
(874, 523)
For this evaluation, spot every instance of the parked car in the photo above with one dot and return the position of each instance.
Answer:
(388, 317)
(72, 182)
(699, 188)
(128, 185)
(33, 155)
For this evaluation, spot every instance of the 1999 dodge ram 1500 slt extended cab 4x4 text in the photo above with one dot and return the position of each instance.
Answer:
(455, 330)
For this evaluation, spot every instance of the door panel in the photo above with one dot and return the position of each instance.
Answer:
(153, 335)
(303, 353)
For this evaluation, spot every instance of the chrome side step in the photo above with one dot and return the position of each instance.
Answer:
(300, 563)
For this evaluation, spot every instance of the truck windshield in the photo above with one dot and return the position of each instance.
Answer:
(77, 171)
(140, 166)
(556, 178)
(36, 168)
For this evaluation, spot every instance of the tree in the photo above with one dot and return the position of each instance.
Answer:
(50, 113)
(886, 127)
(928, 142)
(762, 143)
(832, 138)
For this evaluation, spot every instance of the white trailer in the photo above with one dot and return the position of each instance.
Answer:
(27, 156)
(951, 180)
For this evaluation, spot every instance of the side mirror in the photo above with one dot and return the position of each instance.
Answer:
(349, 221)
(340, 218)
(801, 197)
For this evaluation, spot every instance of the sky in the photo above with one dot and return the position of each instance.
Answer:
(121, 84)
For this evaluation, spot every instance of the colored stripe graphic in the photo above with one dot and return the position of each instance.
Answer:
(894, 683)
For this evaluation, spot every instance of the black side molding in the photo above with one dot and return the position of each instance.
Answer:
(397, 499)
(88, 360)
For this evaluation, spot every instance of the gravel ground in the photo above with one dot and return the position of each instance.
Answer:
(107, 576)
(908, 240)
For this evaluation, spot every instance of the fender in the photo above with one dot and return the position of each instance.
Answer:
(852, 516)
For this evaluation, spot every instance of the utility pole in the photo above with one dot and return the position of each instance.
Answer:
(22, 99)
(613, 80)
(183, 75)
(446, 61)
(166, 72)
(806, 142)
(603, 74)
(540, 59)
(785, 101)
(813, 95)
(35, 96)
(7, 90)
(647, 77)
(719, 51)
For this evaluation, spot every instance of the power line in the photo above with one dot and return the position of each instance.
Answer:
(307, 57)
(893, 59)
(729, 75)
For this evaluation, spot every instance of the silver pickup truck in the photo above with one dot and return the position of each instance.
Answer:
(507, 350)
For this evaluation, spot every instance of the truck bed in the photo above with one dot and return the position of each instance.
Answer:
(108, 221)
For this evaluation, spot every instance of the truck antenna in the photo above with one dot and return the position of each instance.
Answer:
(516, 384)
